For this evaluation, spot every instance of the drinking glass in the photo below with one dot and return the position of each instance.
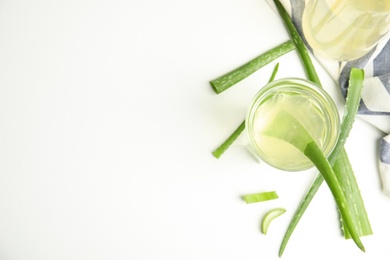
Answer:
(345, 30)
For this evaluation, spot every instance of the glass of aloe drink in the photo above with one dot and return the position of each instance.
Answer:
(281, 116)
(345, 30)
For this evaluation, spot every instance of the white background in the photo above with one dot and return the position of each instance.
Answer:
(107, 123)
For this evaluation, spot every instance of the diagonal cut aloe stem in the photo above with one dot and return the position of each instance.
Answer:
(224, 82)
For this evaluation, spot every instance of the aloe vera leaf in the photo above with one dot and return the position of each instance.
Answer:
(298, 42)
(285, 127)
(230, 140)
(315, 154)
(274, 71)
(224, 82)
(269, 217)
(350, 109)
(353, 196)
(342, 166)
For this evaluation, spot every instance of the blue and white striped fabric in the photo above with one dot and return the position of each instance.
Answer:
(375, 105)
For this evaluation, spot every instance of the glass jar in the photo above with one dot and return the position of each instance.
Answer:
(308, 104)
(345, 30)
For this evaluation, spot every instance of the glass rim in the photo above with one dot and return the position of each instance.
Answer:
(310, 89)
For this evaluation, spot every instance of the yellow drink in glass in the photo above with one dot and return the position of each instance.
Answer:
(308, 104)
(345, 29)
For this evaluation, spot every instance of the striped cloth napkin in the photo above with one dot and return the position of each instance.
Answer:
(375, 105)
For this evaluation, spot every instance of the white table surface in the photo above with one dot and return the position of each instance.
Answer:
(107, 123)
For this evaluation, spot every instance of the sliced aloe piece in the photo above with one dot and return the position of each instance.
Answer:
(260, 197)
(224, 82)
(269, 217)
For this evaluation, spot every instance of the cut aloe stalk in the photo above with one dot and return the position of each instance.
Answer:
(269, 217)
(260, 197)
